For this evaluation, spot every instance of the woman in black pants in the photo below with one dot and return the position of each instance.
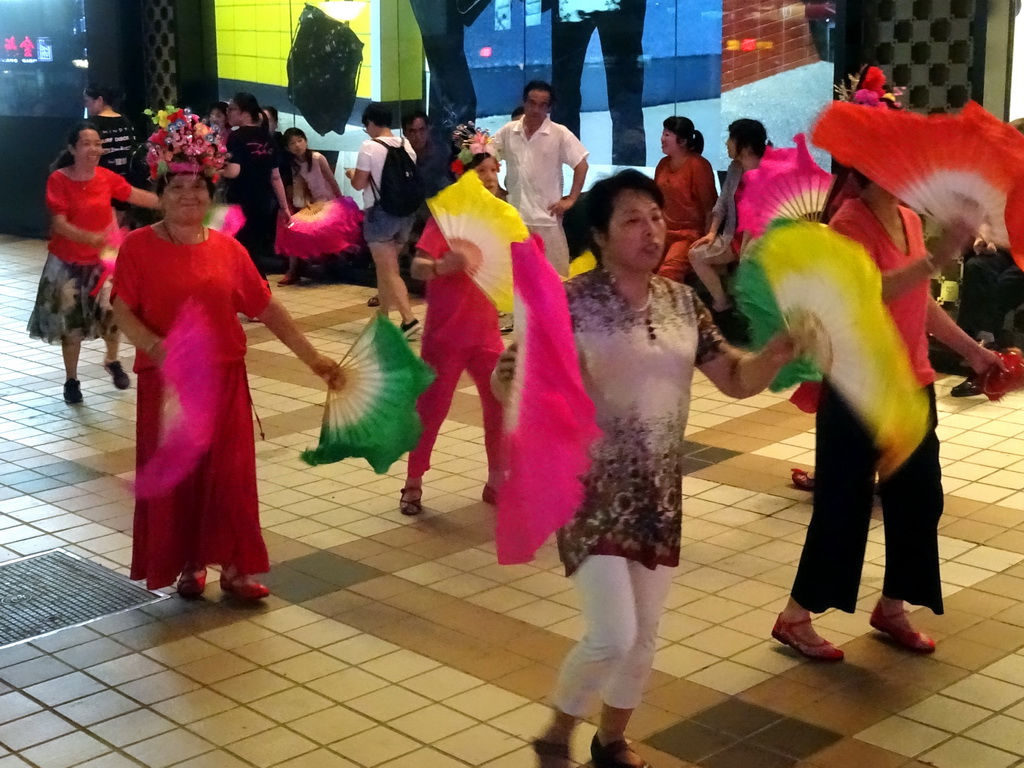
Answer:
(912, 498)
(253, 179)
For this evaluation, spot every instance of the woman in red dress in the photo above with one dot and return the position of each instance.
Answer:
(212, 517)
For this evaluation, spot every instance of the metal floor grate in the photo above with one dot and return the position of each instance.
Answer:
(44, 593)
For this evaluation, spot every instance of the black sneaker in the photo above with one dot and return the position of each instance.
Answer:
(72, 391)
(117, 374)
(411, 328)
(966, 388)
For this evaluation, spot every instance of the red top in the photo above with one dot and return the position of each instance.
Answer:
(909, 310)
(86, 205)
(689, 193)
(154, 278)
(459, 314)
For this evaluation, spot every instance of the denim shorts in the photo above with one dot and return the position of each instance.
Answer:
(379, 226)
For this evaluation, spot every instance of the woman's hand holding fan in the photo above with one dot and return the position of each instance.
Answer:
(824, 290)
(464, 256)
(468, 215)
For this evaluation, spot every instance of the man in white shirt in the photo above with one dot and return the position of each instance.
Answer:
(385, 233)
(535, 150)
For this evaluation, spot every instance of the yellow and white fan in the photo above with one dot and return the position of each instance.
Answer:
(481, 226)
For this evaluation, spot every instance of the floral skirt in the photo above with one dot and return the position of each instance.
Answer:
(65, 307)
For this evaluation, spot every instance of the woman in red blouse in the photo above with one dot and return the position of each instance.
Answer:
(72, 304)
(212, 517)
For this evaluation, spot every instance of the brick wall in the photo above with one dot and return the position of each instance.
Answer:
(779, 44)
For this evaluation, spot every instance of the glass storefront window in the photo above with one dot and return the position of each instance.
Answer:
(619, 67)
(43, 58)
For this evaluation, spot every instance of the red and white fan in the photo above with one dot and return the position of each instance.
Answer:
(947, 167)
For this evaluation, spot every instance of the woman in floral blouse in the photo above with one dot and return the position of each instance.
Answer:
(639, 338)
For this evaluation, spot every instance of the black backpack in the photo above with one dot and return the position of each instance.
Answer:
(323, 70)
(401, 191)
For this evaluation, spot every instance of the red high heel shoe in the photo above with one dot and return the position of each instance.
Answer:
(820, 651)
(908, 638)
(191, 583)
(237, 586)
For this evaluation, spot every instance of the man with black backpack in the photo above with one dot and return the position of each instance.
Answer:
(392, 190)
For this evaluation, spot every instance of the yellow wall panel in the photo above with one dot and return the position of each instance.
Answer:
(254, 38)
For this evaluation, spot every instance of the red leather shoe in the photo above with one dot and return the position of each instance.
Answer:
(908, 638)
(490, 495)
(820, 651)
(802, 479)
(191, 584)
(242, 589)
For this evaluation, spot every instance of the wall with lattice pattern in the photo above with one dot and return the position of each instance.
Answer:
(926, 47)
(159, 43)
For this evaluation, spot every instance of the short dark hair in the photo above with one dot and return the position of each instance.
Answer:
(105, 92)
(411, 117)
(222, 106)
(604, 194)
(517, 112)
(378, 114)
(165, 179)
(272, 111)
(247, 103)
(539, 85)
(749, 134)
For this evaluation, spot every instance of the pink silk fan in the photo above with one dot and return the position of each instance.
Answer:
(550, 421)
(788, 184)
(191, 394)
(321, 228)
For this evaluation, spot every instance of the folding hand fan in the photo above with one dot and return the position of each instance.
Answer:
(477, 223)
(550, 422)
(190, 407)
(948, 167)
(996, 383)
(226, 219)
(373, 415)
(108, 258)
(582, 264)
(827, 291)
(330, 227)
(788, 184)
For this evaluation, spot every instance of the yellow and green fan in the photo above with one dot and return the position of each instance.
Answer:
(483, 227)
(827, 292)
(373, 415)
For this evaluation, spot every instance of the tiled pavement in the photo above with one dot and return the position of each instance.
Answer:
(402, 644)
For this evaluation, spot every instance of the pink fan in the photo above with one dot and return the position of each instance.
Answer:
(226, 219)
(191, 392)
(330, 227)
(108, 257)
(550, 422)
(788, 184)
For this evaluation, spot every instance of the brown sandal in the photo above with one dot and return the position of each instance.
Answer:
(373, 302)
(411, 507)
(549, 752)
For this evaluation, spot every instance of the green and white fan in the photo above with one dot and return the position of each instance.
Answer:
(373, 414)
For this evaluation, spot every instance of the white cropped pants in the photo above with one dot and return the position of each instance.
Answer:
(622, 603)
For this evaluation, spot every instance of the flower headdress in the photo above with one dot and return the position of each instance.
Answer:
(870, 89)
(472, 141)
(183, 143)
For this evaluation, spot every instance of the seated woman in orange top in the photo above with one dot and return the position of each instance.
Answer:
(688, 184)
